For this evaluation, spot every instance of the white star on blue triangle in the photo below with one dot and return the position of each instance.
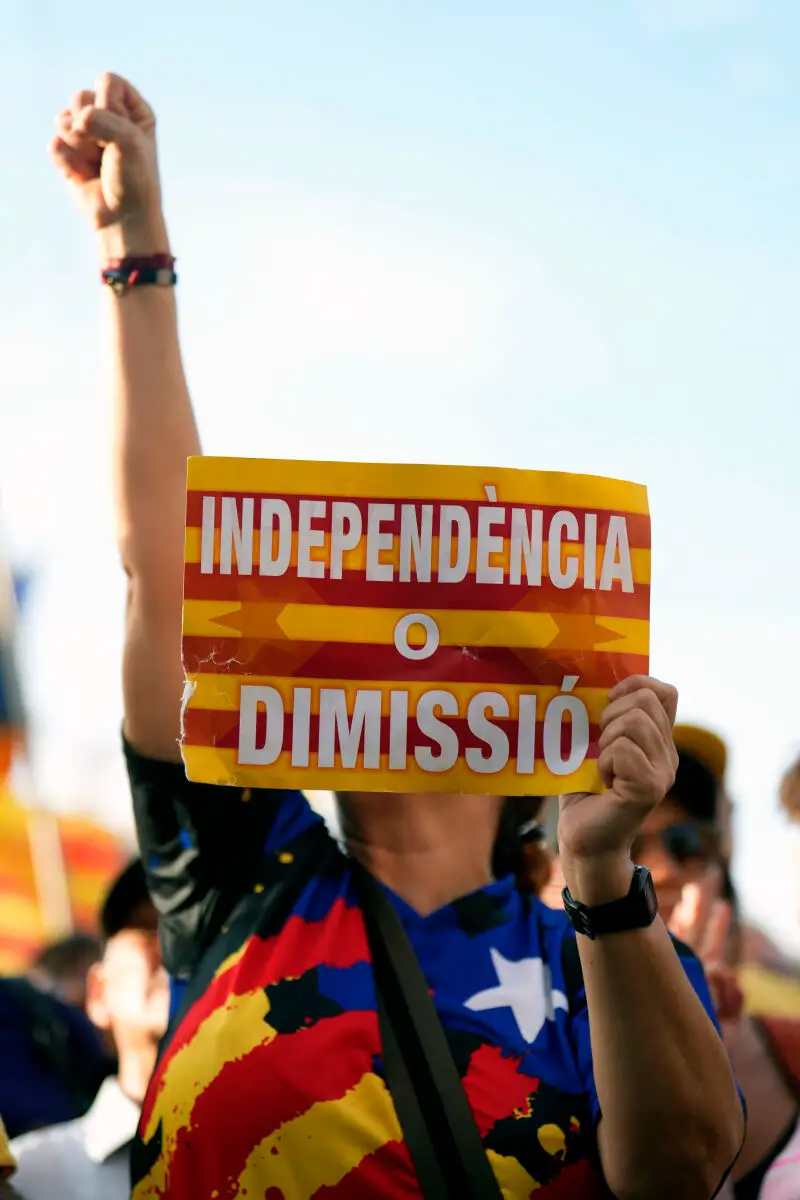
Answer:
(526, 988)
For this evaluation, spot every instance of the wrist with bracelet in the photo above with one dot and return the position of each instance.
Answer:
(123, 274)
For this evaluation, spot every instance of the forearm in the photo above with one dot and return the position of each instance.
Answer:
(154, 425)
(671, 1117)
(154, 433)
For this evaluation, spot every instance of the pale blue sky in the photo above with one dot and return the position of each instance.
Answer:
(541, 234)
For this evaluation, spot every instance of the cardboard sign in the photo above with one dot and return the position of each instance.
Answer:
(407, 628)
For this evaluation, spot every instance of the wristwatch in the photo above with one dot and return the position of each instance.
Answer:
(637, 910)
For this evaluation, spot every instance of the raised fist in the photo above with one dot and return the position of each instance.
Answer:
(105, 146)
(637, 764)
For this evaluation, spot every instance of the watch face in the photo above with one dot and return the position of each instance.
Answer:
(649, 891)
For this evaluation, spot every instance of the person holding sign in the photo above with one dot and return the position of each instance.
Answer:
(288, 1070)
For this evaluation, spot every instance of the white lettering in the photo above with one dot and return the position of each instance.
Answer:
(404, 627)
(430, 725)
(398, 731)
(235, 538)
(590, 552)
(378, 540)
(271, 562)
(416, 542)
(509, 546)
(617, 567)
(562, 522)
(494, 737)
(346, 529)
(207, 542)
(489, 544)
(453, 517)
(526, 735)
(301, 726)
(334, 724)
(578, 727)
(309, 539)
(252, 699)
(526, 547)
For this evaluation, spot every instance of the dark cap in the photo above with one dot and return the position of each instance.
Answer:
(696, 789)
(126, 895)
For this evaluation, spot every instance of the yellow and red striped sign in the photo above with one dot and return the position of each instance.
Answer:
(407, 628)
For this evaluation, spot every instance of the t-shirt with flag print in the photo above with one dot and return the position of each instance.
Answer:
(271, 1086)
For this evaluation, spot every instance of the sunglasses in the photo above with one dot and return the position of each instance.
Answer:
(684, 841)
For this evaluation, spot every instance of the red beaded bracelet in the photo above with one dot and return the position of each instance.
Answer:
(122, 274)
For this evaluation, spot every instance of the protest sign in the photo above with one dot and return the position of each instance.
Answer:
(376, 627)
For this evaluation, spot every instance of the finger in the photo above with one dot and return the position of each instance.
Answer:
(65, 132)
(640, 728)
(708, 888)
(645, 700)
(121, 97)
(82, 99)
(627, 761)
(667, 695)
(110, 93)
(71, 162)
(683, 922)
(105, 127)
(718, 927)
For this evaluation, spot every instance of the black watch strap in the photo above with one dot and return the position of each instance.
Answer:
(637, 910)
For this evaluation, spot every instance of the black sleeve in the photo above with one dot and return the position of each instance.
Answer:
(200, 846)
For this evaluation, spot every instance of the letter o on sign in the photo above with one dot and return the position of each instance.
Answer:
(401, 632)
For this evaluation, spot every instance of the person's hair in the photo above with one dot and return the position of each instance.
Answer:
(790, 791)
(695, 789)
(127, 893)
(519, 848)
(728, 892)
(67, 957)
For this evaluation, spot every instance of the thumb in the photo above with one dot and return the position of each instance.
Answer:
(686, 911)
(106, 127)
(717, 930)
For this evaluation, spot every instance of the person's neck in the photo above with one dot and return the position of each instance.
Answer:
(134, 1070)
(429, 849)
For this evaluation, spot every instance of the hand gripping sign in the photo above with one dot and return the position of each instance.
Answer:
(407, 628)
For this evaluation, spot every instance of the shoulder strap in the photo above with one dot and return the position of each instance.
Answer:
(432, 1106)
(299, 861)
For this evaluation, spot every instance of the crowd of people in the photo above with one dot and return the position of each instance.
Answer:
(234, 1030)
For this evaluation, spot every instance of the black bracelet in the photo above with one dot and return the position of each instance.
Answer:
(122, 278)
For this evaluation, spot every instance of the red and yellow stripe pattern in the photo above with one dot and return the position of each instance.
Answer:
(336, 630)
(81, 855)
(22, 925)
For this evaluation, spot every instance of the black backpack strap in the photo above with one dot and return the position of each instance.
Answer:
(413, 1121)
(300, 860)
(432, 1106)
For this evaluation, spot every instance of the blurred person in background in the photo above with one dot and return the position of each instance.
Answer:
(690, 830)
(62, 967)
(687, 843)
(52, 1057)
(790, 792)
(128, 996)
(782, 1181)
